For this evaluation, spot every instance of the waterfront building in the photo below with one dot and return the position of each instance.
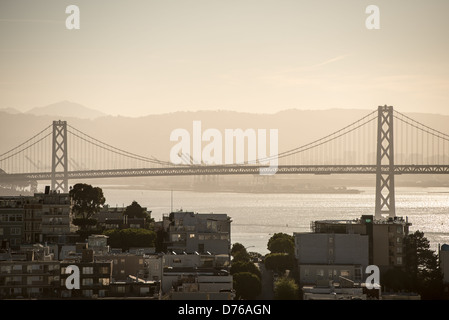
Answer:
(330, 256)
(115, 218)
(385, 237)
(189, 232)
(192, 276)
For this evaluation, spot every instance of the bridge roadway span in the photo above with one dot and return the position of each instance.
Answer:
(229, 170)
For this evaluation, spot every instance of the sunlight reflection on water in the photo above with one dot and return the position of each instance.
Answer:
(255, 217)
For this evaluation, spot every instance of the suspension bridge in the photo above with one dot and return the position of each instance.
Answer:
(385, 143)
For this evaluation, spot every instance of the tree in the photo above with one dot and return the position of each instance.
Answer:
(286, 289)
(247, 285)
(127, 238)
(422, 267)
(239, 253)
(87, 201)
(244, 266)
(237, 247)
(134, 210)
(280, 262)
(396, 280)
(281, 243)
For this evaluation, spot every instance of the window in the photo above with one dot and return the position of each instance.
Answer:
(344, 273)
(15, 231)
(320, 272)
(104, 270)
(88, 270)
(87, 293)
(398, 260)
(103, 281)
(5, 269)
(398, 249)
(87, 281)
(1, 231)
(306, 272)
(17, 267)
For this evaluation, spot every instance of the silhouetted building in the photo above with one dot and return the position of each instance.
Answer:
(386, 247)
(29, 273)
(115, 218)
(95, 276)
(44, 217)
(197, 232)
(330, 256)
(12, 215)
(192, 276)
(444, 264)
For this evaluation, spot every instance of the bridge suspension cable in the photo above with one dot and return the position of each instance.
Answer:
(111, 149)
(326, 140)
(420, 144)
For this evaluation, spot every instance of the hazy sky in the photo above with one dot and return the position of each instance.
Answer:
(140, 57)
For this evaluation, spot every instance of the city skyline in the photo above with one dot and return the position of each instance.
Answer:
(263, 57)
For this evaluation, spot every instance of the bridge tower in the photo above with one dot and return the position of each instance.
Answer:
(385, 199)
(59, 162)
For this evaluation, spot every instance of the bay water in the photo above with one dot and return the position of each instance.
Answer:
(256, 217)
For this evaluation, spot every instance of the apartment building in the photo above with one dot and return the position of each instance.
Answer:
(12, 216)
(191, 232)
(330, 257)
(29, 273)
(386, 247)
(192, 276)
(44, 217)
(95, 276)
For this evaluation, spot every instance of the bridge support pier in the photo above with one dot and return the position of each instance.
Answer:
(385, 198)
(59, 162)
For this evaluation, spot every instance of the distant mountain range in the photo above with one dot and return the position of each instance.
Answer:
(61, 109)
(150, 135)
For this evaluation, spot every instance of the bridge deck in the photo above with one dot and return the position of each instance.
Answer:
(230, 170)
